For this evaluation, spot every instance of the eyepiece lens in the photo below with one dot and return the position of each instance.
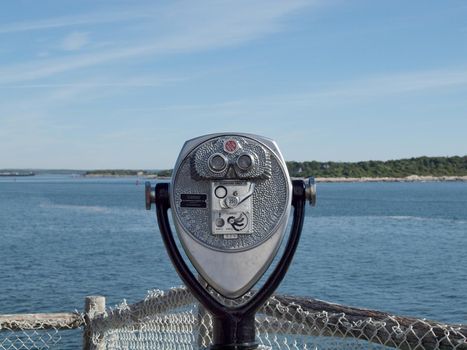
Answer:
(245, 161)
(217, 162)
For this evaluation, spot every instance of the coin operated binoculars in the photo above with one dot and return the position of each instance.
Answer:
(230, 198)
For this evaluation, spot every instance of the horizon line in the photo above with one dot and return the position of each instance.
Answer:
(159, 169)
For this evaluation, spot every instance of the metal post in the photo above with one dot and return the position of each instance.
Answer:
(93, 306)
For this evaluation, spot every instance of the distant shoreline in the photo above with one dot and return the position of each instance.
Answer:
(411, 178)
(16, 174)
(152, 177)
(419, 169)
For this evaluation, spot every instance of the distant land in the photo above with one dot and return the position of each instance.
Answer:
(129, 172)
(401, 168)
(410, 169)
(16, 173)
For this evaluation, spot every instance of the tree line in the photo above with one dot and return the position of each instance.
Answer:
(422, 166)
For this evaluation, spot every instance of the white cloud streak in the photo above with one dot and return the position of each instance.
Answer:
(72, 21)
(386, 85)
(102, 82)
(192, 29)
(391, 84)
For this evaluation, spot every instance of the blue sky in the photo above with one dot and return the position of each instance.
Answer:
(122, 84)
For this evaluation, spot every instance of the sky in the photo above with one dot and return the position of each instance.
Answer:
(123, 84)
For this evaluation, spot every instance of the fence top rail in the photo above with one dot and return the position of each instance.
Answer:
(64, 320)
(285, 315)
(371, 325)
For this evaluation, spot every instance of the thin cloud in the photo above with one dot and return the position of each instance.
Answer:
(75, 41)
(136, 82)
(46, 68)
(395, 83)
(71, 21)
(359, 89)
(53, 96)
(204, 29)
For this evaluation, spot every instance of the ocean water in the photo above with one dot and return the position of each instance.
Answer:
(396, 247)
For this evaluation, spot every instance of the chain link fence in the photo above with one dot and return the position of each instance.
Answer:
(37, 331)
(173, 320)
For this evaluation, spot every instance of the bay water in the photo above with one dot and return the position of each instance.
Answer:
(395, 247)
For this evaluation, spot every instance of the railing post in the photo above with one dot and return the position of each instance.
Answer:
(93, 306)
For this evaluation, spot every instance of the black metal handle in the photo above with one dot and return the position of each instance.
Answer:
(233, 325)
